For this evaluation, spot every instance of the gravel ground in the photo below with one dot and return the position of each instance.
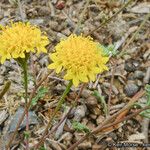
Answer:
(128, 74)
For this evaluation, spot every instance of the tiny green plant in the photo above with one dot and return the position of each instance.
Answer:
(101, 99)
(80, 127)
(109, 50)
(40, 94)
(42, 148)
(26, 134)
(81, 60)
(146, 113)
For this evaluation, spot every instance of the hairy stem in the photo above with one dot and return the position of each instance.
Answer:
(60, 102)
(25, 68)
(24, 113)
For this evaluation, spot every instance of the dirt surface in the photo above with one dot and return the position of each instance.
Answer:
(129, 72)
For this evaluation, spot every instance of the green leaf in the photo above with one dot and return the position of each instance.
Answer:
(109, 50)
(26, 134)
(41, 93)
(101, 99)
(80, 127)
(146, 113)
(42, 148)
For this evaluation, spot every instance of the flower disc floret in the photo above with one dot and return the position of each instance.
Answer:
(80, 57)
(20, 38)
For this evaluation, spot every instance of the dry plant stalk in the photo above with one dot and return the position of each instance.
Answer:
(5, 89)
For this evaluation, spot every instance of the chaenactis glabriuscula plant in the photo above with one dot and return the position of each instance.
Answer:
(17, 40)
(81, 59)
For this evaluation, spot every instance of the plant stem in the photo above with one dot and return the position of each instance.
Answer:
(60, 102)
(5, 89)
(24, 113)
(61, 121)
(24, 67)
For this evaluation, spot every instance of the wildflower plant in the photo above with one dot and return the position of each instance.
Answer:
(81, 58)
(17, 40)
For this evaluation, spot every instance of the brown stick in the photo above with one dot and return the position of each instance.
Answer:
(125, 118)
(97, 129)
(23, 115)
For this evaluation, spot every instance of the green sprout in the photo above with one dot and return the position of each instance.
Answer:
(40, 94)
(80, 127)
(109, 50)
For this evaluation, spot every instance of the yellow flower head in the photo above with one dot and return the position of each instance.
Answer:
(20, 38)
(80, 57)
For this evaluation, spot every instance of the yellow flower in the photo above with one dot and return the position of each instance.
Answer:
(20, 38)
(80, 57)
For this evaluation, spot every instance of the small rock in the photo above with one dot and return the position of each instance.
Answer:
(32, 119)
(96, 147)
(131, 65)
(139, 83)
(85, 145)
(54, 144)
(147, 76)
(80, 112)
(138, 74)
(66, 138)
(141, 8)
(44, 11)
(53, 25)
(91, 101)
(37, 21)
(86, 93)
(3, 116)
(96, 111)
(100, 119)
(131, 89)
(1, 80)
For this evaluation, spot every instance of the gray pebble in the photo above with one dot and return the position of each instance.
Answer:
(131, 65)
(32, 119)
(131, 89)
(147, 76)
(139, 74)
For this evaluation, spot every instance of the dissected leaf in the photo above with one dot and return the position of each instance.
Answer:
(80, 127)
(101, 99)
(41, 93)
(109, 50)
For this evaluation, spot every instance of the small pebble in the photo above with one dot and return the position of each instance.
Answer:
(32, 119)
(138, 74)
(147, 76)
(80, 112)
(131, 65)
(91, 101)
(131, 89)
(85, 145)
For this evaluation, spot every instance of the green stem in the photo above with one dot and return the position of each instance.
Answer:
(62, 99)
(25, 68)
(60, 102)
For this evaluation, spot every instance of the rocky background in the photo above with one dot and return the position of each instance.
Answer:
(129, 73)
